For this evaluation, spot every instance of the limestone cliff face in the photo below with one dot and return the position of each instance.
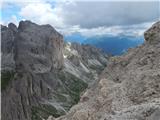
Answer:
(32, 53)
(39, 76)
(7, 48)
(38, 48)
(129, 87)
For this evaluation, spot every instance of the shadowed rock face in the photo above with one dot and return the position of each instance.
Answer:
(37, 80)
(38, 48)
(129, 87)
(7, 47)
(30, 53)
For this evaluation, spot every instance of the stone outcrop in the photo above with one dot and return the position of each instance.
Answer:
(30, 54)
(152, 35)
(38, 49)
(8, 34)
(89, 61)
(129, 87)
(41, 74)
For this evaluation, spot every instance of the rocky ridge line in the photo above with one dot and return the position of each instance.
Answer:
(129, 87)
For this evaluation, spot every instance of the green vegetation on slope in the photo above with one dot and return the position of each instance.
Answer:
(72, 86)
(6, 77)
(43, 111)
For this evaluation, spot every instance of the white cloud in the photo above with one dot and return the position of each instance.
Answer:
(90, 18)
(97, 14)
(42, 13)
(2, 22)
(14, 19)
(132, 30)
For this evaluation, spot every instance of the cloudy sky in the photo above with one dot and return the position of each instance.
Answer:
(87, 17)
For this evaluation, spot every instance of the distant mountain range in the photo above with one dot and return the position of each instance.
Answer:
(115, 45)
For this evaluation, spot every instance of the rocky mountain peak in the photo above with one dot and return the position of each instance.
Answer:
(39, 74)
(13, 27)
(152, 35)
(39, 47)
(24, 25)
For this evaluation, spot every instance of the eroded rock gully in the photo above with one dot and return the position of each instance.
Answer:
(129, 87)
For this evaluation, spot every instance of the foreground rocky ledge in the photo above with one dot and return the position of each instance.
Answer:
(129, 87)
